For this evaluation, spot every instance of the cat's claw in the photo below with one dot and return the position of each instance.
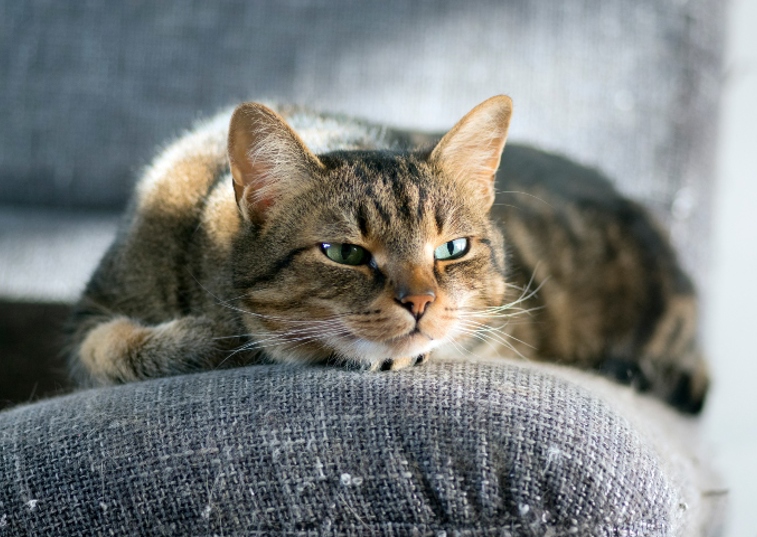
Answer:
(386, 365)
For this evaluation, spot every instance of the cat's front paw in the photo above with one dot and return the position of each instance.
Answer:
(391, 364)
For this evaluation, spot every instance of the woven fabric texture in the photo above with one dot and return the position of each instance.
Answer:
(448, 449)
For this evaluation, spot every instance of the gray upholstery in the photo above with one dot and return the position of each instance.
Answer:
(447, 449)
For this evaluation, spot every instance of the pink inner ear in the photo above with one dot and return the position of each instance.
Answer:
(260, 198)
(255, 197)
(267, 159)
(470, 152)
(253, 128)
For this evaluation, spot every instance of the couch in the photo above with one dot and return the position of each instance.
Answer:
(498, 448)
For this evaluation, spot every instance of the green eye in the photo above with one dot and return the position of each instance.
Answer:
(346, 254)
(452, 249)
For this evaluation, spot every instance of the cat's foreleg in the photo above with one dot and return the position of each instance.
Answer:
(122, 349)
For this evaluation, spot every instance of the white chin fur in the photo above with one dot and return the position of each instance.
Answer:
(359, 351)
(369, 353)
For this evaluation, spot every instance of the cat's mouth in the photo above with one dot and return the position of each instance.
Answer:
(414, 342)
(414, 334)
(417, 331)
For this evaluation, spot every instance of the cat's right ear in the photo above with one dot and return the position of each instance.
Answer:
(471, 151)
(267, 159)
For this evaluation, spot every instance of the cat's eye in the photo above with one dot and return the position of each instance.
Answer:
(346, 254)
(454, 249)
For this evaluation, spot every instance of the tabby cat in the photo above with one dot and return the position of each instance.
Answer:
(298, 237)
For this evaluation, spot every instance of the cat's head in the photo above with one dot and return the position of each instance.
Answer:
(366, 256)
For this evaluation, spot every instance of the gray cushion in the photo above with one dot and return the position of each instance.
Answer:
(446, 449)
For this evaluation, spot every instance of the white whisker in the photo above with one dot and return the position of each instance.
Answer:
(522, 193)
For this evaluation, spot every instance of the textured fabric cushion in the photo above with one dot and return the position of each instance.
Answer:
(447, 449)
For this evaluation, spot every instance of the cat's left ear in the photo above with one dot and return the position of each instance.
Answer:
(267, 160)
(471, 151)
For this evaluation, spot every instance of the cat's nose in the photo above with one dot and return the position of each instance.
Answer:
(417, 304)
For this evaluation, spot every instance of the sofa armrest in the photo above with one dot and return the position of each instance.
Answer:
(445, 449)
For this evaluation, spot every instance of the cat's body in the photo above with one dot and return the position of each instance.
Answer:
(379, 251)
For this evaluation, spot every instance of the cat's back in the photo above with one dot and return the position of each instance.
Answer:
(575, 214)
(610, 285)
(146, 270)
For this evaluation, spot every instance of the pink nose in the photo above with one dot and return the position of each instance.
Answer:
(417, 304)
